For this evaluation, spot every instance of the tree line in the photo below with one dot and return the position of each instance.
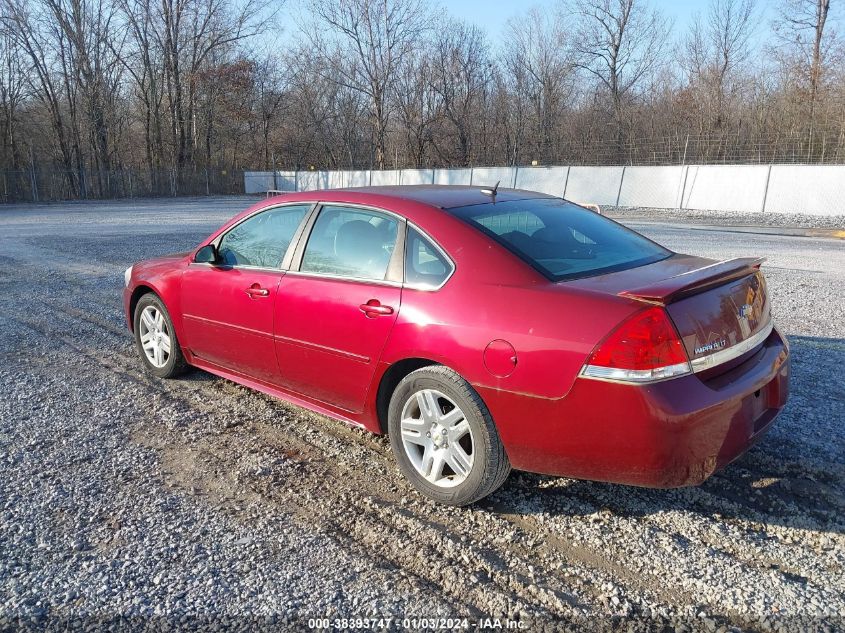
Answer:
(175, 88)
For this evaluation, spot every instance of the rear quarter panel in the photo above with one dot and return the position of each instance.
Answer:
(552, 332)
(493, 295)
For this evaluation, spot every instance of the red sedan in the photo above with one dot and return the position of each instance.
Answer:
(482, 330)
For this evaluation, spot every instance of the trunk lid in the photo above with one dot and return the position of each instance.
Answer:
(720, 309)
(724, 321)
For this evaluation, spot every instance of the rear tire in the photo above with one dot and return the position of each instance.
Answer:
(155, 339)
(444, 439)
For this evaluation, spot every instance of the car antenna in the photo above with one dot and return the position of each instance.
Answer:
(492, 192)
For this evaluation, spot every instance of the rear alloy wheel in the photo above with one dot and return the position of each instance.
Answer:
(155, 338)
(444, 439)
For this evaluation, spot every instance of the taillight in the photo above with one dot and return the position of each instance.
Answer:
(643, 348)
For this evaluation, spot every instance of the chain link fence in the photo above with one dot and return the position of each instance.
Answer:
(47, 185)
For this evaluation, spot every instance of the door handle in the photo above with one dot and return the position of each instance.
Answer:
(373, 309)
(256, 290)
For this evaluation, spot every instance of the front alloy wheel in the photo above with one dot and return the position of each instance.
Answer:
(155, 338)
(443, 437)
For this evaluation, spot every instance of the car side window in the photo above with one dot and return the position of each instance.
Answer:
(262, 239)
(350, 242)
(425, 265)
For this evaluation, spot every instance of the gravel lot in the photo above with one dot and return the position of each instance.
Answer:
(791, 220)
(197, 502)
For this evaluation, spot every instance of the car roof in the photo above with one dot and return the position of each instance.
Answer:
(443, 196)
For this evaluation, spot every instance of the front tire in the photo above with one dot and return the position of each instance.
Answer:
(444, 438)
(155, 339)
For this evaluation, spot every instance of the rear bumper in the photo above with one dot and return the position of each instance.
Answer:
(663, 435)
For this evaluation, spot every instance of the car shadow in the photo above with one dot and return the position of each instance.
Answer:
(794, 477)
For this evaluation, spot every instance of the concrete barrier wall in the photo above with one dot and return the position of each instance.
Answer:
(258, 181)
(357, 178)
(808, 189)
(462, 176)
(417, 177)
(594, 185)
(286, 180)
(725, 187)
(550, 180)
(313, 180)
(489, 176)
(334, 179)
(652, 187)
(387, 177)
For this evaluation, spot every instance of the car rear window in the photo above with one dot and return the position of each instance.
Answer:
(560, 239)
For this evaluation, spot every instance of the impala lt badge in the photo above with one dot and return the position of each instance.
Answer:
(711, 346)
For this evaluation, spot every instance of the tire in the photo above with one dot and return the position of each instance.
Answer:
(426, 447)
(172, 361)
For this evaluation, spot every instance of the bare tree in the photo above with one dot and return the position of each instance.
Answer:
(269, 98)
(716, 50)
(461, 72)
(184, 35)
(417, 107)
(186, 91)
(46, 51)
(618, 42)
(12, 86)
(142, 61)
(540, 68)
(802, 27)
(92, 65)
(370, 41)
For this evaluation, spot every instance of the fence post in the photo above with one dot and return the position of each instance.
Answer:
(621, 180)
(683, 188)
(766, 190)
(566, 181)
(32, 178)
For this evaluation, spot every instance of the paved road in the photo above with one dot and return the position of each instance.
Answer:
(124, 495)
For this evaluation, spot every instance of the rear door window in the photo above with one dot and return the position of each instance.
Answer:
(350, 242)
(562, 240)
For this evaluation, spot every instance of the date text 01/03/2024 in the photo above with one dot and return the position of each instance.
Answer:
(416, 624)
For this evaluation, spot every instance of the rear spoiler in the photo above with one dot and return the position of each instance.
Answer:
(695, 281)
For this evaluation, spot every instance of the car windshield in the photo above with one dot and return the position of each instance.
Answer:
(560, 239)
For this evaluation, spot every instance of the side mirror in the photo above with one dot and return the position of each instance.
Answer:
(207, 255)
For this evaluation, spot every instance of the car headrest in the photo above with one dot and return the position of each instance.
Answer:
(551, 234)
(357, 241)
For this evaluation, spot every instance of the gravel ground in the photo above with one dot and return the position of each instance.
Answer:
(136, 502)
(789, 220)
